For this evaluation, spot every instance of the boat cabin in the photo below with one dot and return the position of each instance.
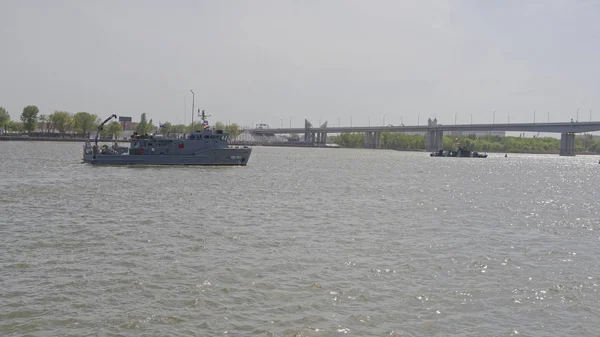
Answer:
(160, 145)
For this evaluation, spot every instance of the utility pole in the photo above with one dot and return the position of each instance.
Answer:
(193, 101)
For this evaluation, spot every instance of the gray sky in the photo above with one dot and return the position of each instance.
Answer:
(262, 61)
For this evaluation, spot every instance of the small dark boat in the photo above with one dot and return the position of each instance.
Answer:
(460, 152)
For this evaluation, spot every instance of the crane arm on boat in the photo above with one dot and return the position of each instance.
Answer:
(101, 126)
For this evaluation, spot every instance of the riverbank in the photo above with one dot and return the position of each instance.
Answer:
(57, 139)
(104, 140)
(303, 145)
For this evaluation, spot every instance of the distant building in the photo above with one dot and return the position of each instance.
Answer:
(126, 123)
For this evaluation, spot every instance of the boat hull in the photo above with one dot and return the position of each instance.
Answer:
(215, 157)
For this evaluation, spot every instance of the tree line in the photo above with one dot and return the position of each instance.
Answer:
(399, 141)
(63, 123)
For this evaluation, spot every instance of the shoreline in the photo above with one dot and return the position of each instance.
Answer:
(58, 139)
(302, 145)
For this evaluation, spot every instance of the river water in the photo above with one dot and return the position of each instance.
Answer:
(301, 242)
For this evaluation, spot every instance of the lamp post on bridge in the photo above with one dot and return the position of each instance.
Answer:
(471, 119)
(548, 116)
(383, 119)
(494, 117)
(455, 118)
(590, 116)
(509, 118)
(577, 115)
(533, 116)
(418, 116)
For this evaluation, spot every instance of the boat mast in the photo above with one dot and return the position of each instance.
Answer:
(193, 101)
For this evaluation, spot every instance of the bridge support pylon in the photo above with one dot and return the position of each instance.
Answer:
(321, 138)
(435, 138)
(372, 140)
(567, 144)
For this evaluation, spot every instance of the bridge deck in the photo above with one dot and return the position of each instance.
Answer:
(562, 127)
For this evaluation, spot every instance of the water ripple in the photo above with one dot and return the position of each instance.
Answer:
(301, 242)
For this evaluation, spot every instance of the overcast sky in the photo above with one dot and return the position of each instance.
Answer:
(261, 61)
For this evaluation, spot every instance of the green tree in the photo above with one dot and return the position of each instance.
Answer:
(15, 126)
(85, 122)
(178, 128)
(4, 118)
(49, 124)
(219, 126)
(42, 119)
(233, 130)
(142, 125)
(166, 129)
(29, 117)
(192, 127)
(150, 127)
(62, 121)
(112, 130)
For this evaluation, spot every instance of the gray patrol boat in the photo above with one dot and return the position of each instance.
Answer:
(204, 147)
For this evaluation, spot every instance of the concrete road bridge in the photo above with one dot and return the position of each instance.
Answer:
(435, 132)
